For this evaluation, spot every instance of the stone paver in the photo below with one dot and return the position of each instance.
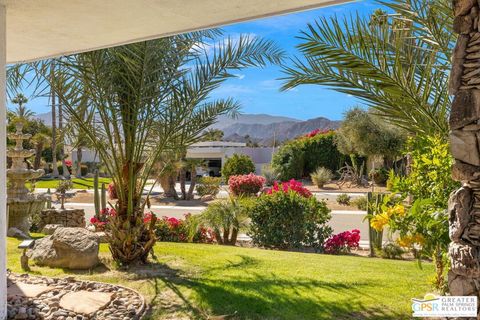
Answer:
(85, 302)
(26, 289)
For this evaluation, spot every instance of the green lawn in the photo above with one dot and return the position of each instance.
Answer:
(200, 281)
(78, 183)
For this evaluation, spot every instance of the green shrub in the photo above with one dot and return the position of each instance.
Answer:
(361, 203)
(288, 220)
(208, 186)
(379, 176)
(270, 175)
(238, 164)
(225, 218)
(321, 176)
(301, 157)
(344, 199)
(390, 251)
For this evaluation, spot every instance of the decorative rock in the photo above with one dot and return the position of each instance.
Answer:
(73, 248)
(49, 229)
(459, 207)
(464, 146)
(463, 24)
(462, 7)
(74, 218)
(464, 259)
(17, 233)
(464, 172)
(465, 108)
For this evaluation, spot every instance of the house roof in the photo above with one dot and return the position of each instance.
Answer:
(45, 28)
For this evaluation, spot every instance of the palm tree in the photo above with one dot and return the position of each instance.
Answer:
(51, 73)
(144, 97)
(191, 165)
(397, 64)
(21, 111)
(41, 141)
(213, 135)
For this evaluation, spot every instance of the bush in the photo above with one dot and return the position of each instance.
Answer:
(270, 175)
(291, 185)
(342, 243)
(208, 186)
(288, 220)
(361, 203)
(391, 251)
(344, 199)
(180, 230)
(379, 176)
(238, 164)
(83, 170)
(321, 176)
(301, 157)
(246, 185)
(225, 218)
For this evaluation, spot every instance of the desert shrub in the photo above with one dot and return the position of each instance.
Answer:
(180, 230)
(343, 199)
(342, 243)
(361, 203)
(238, 164)
(270, 175)
(208, 186)
(246, 185)
(391, 251)
(292, 185)
(301, 157)
(286, 219)
(225, 218)
(321, 176)
(83, 170)
(379, 176)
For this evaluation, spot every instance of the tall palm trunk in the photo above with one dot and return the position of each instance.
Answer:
(168, 185)
(193, 182)
(65, 172)
(183, 179)
(54, 129)
(38, 155)
(79, 161)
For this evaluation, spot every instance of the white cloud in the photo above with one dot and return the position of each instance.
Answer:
(239, 76)
(231, 89)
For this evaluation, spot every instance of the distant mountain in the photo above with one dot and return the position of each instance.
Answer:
(265, 134)
(261, 128)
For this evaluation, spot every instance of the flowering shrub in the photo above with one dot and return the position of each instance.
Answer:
(178, 230)
(68, 163)
(249, 184)
(112, 191)
(316, 132)
(100, 221)
(292, 185)
(286, 219)
(342, 242)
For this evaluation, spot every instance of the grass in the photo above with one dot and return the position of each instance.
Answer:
(194, 281)
(78, 183)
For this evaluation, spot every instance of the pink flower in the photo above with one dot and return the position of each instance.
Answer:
(342, 242)
(94, 220)
(292, 185)
(68, 163)
(249, 184)
(147, 217)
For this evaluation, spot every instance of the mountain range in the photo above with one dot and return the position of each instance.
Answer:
(262, 129)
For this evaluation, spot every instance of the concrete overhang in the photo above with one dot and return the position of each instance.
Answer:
(38, 29)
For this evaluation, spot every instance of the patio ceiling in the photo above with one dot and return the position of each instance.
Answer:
(44, 28)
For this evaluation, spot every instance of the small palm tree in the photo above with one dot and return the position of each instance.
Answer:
(21, 111)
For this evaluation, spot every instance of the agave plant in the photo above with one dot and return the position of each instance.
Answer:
(138, 102)
(396, 63)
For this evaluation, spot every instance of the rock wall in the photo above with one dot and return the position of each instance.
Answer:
(464, 204)
(74, 218)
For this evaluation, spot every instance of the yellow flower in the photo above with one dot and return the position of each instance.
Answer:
(379, 221)
(399, 210)
(409, 241)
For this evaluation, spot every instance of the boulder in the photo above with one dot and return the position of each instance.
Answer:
(71, 248)
(464, 146)
(49, 229)
(17, 233)
(459, 207)
(465, 108)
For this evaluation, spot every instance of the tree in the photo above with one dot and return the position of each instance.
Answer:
(41, 141)
(51, 73)
(362, 133)
(397, 64)
(237, 164)
(143, 101)
(21, 110)
(213, 135)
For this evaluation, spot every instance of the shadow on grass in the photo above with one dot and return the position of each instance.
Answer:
(256, 295)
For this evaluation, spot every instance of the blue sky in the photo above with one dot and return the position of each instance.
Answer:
(258, 89)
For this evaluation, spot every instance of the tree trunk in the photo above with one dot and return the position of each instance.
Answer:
(54, 132)
(65, 172)
(193, 182)
(233, 237)
(168, 186)
(79, 161)
(38, 155)
(183, 178)
(464, 204)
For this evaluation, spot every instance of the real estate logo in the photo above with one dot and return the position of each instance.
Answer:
(445, 306)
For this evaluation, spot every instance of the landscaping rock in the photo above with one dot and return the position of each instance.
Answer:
(464, 146)
(74, 218)
(464, 172)
(464, 259)
(85, 302)
(49, 229)
(17, 233)
(459, 207)
(465, 108)
(72, 248)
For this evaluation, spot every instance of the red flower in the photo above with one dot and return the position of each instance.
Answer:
(94, 220)
(292, 185)
(147, 217)
(68, 163)
(342, 242)
(249, 184)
